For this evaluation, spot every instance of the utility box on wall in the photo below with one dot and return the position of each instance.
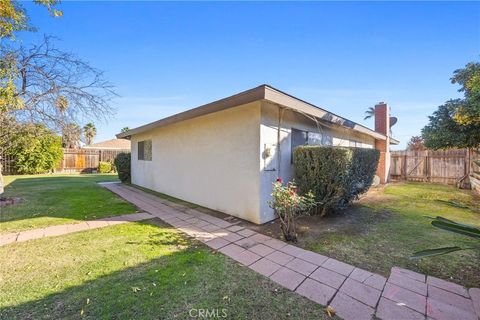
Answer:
(269, 156)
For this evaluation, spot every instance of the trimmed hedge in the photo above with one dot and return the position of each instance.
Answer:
(122, 163)
(335, 175)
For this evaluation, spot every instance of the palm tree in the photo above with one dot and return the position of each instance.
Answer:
(125, 129)
(89, 131)
(369, 113)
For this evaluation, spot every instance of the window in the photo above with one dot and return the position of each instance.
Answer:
(145, 150)
(299, 138)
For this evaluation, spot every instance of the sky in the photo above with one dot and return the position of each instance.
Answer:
(168, 57)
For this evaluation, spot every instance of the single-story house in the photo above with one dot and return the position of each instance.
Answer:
(225, 155)
(113, 144)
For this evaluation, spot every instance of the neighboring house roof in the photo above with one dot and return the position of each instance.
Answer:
(114, 144)
(262, 92)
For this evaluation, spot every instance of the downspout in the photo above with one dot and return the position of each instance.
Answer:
(281, 110)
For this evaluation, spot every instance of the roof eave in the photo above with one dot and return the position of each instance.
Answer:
(258, 93)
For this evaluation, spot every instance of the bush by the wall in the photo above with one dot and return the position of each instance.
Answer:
(36, 151)
(105, 167)
(335, 175)
(122, 163)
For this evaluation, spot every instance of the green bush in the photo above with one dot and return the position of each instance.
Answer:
(335, 175)
(122, 163)
(36, 151)
(105, 167)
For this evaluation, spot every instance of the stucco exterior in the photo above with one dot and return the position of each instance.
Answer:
(224, 155)
(269, 168)
(210, 160)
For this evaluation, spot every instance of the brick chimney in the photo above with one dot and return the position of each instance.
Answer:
(382, 125)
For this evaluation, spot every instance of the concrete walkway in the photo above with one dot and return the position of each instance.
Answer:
(62, 229)
(352, 292)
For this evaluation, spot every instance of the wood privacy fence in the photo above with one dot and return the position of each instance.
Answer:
(445, 166)
(85, 160)
(74, 160)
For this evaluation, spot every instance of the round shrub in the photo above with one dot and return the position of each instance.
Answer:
(122, 163)
(335, 175)
(105, 167)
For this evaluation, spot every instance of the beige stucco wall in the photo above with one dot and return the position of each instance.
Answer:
(210, 160)
(269, 168)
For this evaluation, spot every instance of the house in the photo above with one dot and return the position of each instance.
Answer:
(113, 144)
(225, 155)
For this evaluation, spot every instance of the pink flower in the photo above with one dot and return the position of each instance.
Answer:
(279, 180)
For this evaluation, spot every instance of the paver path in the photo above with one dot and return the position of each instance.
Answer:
(62, 229)
(352, 292)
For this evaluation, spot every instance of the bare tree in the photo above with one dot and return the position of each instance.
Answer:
(45, 85)
(56, 88)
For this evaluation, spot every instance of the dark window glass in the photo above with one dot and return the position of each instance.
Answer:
(299, 138)
(141, 150)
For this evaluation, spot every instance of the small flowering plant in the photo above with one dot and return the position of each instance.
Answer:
(288, 204)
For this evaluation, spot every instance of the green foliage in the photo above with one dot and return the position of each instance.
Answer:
(288, 205)
(122, 163)
(13, 17)
(37, 151)
(456, 124)
(451, 226)
(469, 80)
(335, 175)
(89, 132)
(444, 132)
(105, 167)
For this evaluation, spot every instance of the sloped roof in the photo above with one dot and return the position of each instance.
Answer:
(262, 92)
(114, 144)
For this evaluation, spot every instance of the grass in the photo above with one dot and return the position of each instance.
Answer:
(135, 271)
(384, 229)
(58, 199)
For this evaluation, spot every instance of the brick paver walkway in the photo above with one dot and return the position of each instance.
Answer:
(70, 228)
(352, 292)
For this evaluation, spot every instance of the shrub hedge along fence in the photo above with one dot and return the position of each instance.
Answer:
(335, 175)
(122, 163)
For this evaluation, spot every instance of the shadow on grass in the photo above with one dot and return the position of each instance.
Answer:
(168, 287)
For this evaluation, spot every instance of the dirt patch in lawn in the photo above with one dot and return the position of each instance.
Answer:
(9, 201)
(354, 220)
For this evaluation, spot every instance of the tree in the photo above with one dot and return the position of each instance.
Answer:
(468, 78)
(416, 144)
(54, 87)
(125, 129)
(370, 113)
(456, 124)
(443, 132)
(13, 17)
(71, 135)
(38, 150)
(89, 132)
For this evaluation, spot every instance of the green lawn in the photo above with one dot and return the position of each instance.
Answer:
(388, 225)
(58, 199)
(135, 271)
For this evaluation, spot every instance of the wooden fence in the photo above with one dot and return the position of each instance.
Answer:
(445, 166)
(74, 160)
